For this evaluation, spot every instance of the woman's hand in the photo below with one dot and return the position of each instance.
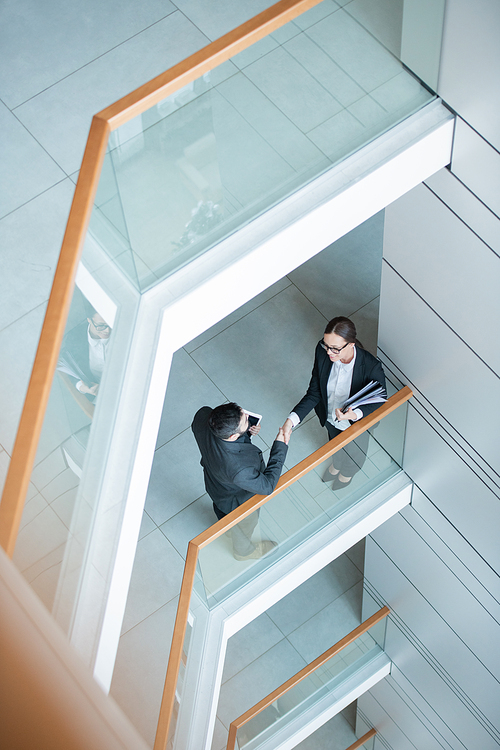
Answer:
(287, 429)
(350, 414)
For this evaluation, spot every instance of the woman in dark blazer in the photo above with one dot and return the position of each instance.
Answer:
(341, 368)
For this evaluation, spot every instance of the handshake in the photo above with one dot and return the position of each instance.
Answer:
(283, 435)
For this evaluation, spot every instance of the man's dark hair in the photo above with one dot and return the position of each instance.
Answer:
(225, 419)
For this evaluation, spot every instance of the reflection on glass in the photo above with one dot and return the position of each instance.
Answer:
(211, 157)
(49, 518)
(299, 512)
(180, 681)
(309, 691)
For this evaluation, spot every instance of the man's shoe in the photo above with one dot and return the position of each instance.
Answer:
(327, 474)
(261, 549)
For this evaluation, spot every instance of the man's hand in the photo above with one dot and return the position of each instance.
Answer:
(350, 414)
(254, 429)
(287, 429)
(282, 437)
(91, 389)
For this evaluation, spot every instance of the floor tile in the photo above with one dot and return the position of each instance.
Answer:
(292, 89)
(18, 344)
(156, 578)
(30, 241)
(59, 117)
(26, 169)
(336, 734)
(248, 644)
(188, 523)
(250, 685)
(147, 525)
(216, 19)
(339, 136)
(314, 595)
(140, 669)
(238, 314)
(43, 44)
(270, 122)
(331, 624)
(176, 478)
(266, 375)
(346, 275)
(250, 169)
(325, 70)
(219, 740)
(320, 11)
(188, 390)
(383, 19)
(38, 538)
(355, 50)
(366, 321)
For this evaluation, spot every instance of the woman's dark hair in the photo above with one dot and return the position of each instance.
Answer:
(344, 328)
(225, 419)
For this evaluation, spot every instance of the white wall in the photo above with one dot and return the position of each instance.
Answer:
(437, 564)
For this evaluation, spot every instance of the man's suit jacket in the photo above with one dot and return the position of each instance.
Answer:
(234, 471)
(366, 368)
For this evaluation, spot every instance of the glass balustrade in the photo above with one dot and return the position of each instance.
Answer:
(300, 511)
(225, 148)
(303, 693)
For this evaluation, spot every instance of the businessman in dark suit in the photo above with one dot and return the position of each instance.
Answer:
(341, 368)
(234, 469)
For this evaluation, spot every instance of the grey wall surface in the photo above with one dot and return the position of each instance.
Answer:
(470, 64)
(437, 564)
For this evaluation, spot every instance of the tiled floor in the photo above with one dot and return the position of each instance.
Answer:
(60, 64)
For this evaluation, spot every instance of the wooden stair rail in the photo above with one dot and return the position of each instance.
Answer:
(304, 672)
(103, 123)
(226, 523)
(359, 743)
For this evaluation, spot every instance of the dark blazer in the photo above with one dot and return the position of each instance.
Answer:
(235, 471)
(366, 368)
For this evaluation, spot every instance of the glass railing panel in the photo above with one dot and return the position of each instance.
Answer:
(312, 689)
(300, 511)
(60, 514)
(225, 148)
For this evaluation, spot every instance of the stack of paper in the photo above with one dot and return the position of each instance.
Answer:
(373, 393)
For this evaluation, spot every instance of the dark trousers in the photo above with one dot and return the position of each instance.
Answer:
(242, 532)
(351, 458)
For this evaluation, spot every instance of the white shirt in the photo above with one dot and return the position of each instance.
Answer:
(97, 355)
(337, 390)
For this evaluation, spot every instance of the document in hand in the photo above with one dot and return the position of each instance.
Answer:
(373, 393)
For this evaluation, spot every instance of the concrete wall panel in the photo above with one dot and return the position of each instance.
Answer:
(470, 63)
(456, 382)
(458, 492)
(429, 246)
(477, 165)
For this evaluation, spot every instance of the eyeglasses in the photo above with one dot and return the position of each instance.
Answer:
(332, 349)
(100, 326)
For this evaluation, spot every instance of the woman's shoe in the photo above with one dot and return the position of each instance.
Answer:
(327, 474)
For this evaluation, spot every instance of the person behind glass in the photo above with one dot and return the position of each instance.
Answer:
(341, 368)
(83, 354)
(234, 470)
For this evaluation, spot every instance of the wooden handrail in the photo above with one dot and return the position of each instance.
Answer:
(206, 59)
(226, 523)
(302, 674)
(359, 743)
(297, 472)
(144, 97)
(37, 397)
